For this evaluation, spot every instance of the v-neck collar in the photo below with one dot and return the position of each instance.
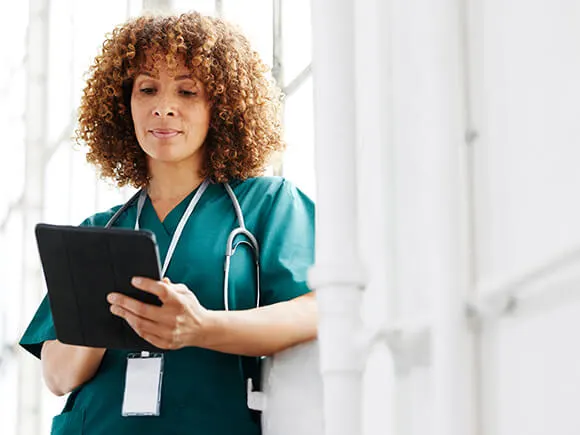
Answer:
(164, 230)
(169, 224)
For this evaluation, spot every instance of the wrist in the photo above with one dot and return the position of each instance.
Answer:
(212, 326)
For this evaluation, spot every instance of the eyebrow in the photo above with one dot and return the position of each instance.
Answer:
(177, 78)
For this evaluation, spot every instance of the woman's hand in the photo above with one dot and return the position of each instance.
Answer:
(181, 321)
(178, 323)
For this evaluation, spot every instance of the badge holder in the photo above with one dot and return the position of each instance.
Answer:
(143, 380)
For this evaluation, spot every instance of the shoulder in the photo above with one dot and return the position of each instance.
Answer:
(274, 204)
(266, 185)
(271, 191)
(100, 219)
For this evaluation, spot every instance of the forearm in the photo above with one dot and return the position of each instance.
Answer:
(65, 367)
(265, 330)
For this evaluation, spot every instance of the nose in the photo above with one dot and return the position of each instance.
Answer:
(163, 113)
(164, 108)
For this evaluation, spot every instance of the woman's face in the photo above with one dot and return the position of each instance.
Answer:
(171, 114)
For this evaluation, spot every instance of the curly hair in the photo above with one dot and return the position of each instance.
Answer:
(245, 127)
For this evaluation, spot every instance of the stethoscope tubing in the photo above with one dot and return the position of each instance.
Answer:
(231, 246)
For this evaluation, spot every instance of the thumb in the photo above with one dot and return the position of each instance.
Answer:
(166, 280)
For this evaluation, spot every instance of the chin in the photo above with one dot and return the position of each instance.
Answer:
(164, 158)
(171, 152)
(169, 157)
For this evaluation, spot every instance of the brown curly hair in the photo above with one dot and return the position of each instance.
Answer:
(244, 128)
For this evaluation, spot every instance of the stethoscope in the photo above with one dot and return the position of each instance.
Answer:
(231, 244)
(253, 395)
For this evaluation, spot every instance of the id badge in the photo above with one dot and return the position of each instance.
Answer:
(143, 384)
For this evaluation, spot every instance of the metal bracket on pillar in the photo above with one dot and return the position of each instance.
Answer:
(325, 275)
(409, 344)
(497, 300)
(471, 136)
(490, 307)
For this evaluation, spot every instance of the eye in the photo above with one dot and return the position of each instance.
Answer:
(188, 93)
(147, 91)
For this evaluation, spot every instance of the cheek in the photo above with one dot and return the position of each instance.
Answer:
(205, 115)
(134, 109)
(137, 114)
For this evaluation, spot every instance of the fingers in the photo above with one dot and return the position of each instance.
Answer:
(171, 296)
(161, 326)
(134, 306)
(161, 289)
(157, 334)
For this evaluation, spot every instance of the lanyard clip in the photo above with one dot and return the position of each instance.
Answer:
(256, 399)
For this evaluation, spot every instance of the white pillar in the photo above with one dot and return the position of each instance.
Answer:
(29, 376)
(337, 276)
(455, 392)
(376, 220)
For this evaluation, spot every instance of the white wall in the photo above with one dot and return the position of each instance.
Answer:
(526, 101)
(521, 95)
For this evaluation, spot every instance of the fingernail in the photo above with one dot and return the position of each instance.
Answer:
(112, 298)
(136, 281)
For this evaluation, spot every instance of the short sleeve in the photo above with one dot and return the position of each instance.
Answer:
(41, 327)
(287, 246)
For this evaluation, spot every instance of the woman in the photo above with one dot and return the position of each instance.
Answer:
(171, 102)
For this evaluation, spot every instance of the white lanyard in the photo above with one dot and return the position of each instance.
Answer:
(180, 226)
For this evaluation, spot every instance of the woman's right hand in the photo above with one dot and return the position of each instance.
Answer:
(66, 367)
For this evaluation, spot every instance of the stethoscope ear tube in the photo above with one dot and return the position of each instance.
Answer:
(122, 210)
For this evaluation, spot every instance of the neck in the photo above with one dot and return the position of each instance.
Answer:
(171, 181)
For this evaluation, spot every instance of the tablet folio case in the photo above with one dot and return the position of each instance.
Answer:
(81, 266)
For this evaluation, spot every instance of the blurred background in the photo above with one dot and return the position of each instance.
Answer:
(467, 181)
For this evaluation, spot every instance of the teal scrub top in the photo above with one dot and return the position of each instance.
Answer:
(203, 391)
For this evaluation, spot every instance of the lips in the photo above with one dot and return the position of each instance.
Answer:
(164, 133)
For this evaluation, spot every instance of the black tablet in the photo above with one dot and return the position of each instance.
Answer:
(81, 266)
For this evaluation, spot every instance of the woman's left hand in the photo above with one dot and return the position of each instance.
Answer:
(178, 323)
